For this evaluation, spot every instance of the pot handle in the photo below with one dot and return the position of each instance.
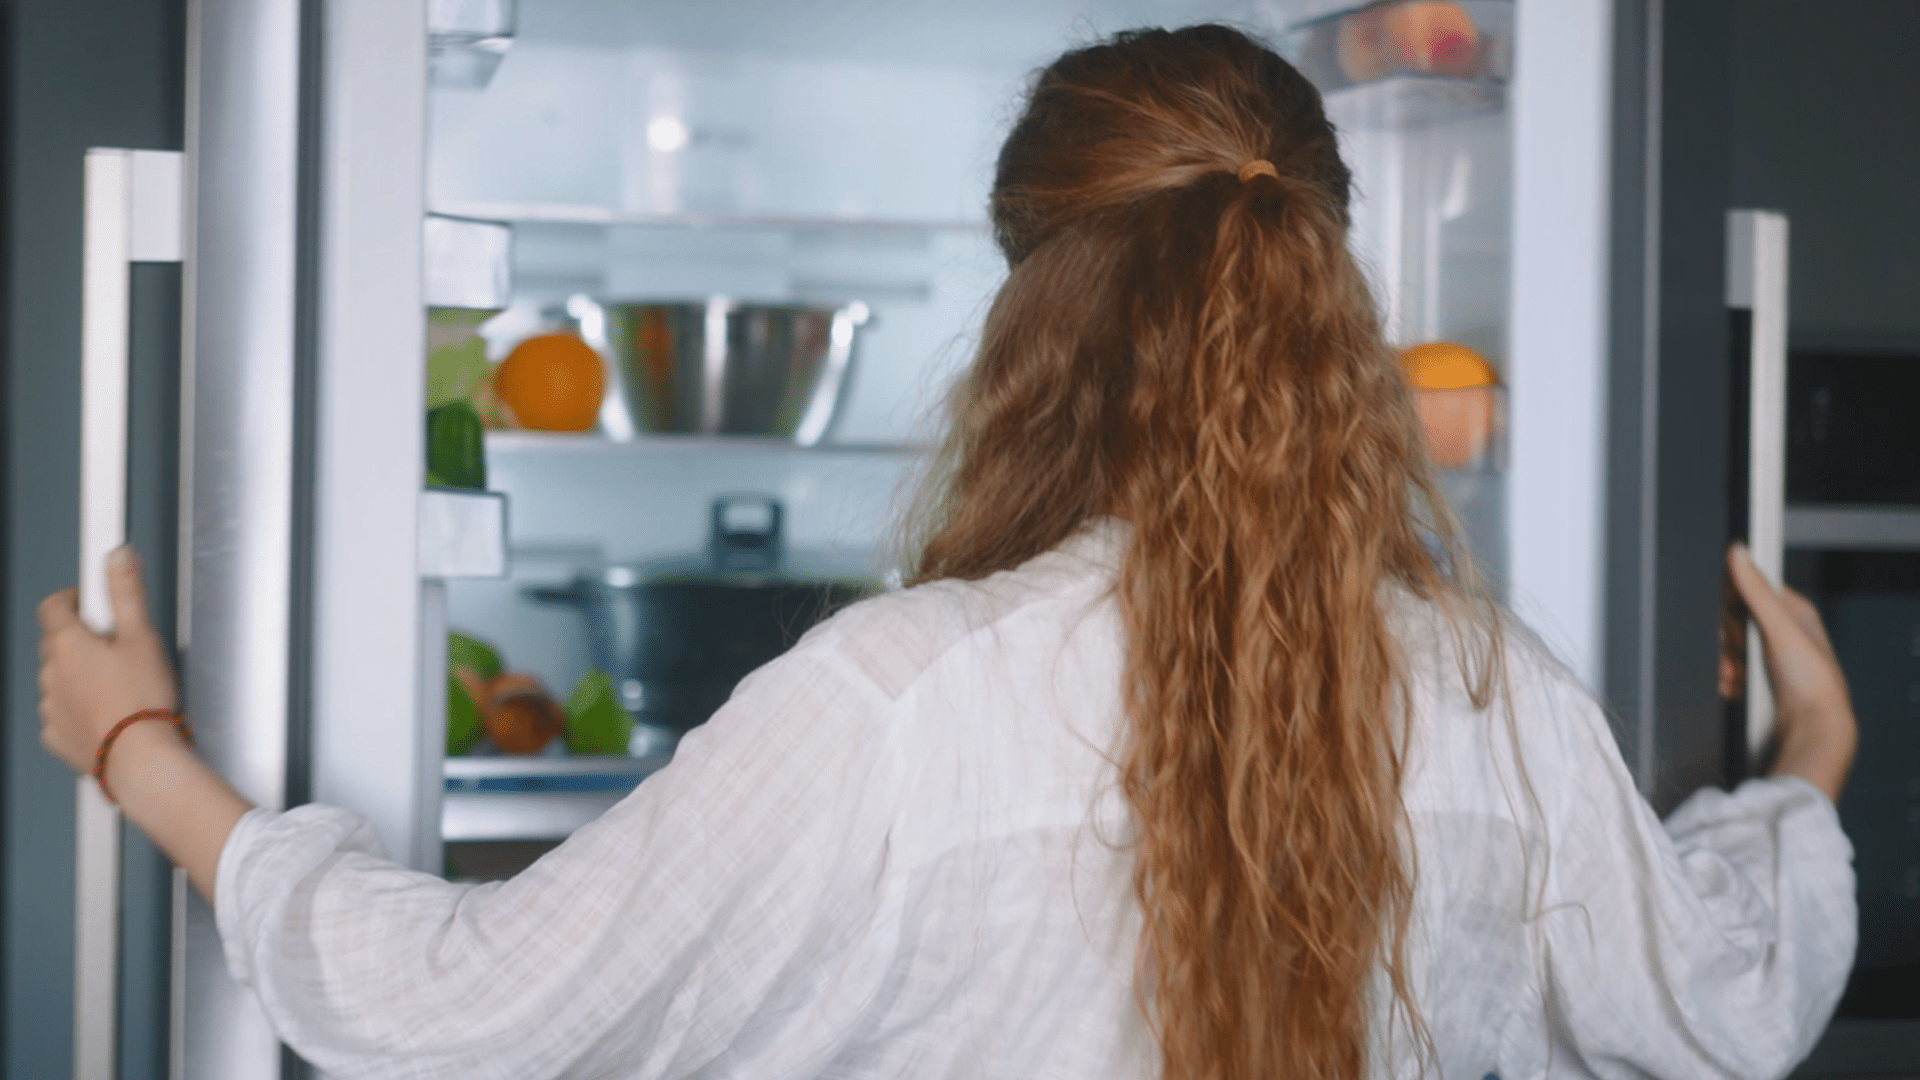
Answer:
(736, 546)
(591, 598)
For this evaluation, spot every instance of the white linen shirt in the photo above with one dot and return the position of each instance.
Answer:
(900, 851)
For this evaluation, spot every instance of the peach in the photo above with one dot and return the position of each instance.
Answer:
(1432, 37)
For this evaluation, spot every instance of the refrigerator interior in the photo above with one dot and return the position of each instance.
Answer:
(829, 153)
(1433, 167)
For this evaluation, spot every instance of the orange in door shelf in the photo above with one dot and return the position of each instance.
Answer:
(552, 382)
(1455, 390)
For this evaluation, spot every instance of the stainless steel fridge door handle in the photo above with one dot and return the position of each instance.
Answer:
(132, 213)
(1757, 281)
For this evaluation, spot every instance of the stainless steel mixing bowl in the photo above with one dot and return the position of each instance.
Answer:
(721, 367)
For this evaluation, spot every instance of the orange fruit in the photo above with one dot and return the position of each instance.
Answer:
(553, 382)
(520, 717)
(1443, 365)
(1455, 395)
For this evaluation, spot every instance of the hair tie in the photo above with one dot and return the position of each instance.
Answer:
(1257, 167)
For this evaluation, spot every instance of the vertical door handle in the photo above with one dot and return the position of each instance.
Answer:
(1757, 281)
(133, 210)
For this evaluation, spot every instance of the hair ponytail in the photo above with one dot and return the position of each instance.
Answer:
(1198, 354)
(1265, 762)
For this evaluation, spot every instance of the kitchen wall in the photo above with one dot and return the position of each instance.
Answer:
(1826, 126)
(74, 74)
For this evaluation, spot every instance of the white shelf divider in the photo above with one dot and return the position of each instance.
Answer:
(1853, 528)
(463, 534)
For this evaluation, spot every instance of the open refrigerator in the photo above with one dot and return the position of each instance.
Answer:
(641, 154)
(587, 156)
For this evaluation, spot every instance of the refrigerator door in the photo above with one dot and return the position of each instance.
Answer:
(242, 330)
(373, 751)
(1666, 392)
(302, 421)
(1557, 331)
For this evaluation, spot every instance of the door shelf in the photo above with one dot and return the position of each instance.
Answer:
(463, 534)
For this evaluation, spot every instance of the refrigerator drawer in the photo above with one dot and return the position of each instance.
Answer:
(501, 815)
(1850, 431)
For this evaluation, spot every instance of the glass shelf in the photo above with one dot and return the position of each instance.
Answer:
(534, 797)
(1409, 101)
(584, 214)
(543, 772)
(594, 442)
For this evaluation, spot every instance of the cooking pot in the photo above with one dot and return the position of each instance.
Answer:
(677, 634)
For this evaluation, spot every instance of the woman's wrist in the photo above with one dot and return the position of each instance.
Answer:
(1820, 753)
(103, 752)
(170, 794)
(133, 762)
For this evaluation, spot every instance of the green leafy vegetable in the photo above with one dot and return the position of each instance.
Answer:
(464, 726)
(596, 721)
(471, 652)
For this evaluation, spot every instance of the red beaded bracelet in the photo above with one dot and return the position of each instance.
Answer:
(106, 744)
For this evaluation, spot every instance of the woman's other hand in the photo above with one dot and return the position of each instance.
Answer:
(1814, 721)
(88, 682)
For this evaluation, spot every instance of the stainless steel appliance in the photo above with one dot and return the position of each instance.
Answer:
(677, 634)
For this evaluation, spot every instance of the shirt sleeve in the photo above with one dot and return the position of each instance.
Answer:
(1715, 944)
(722, 905)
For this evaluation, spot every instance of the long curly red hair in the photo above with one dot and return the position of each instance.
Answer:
(1198, 354)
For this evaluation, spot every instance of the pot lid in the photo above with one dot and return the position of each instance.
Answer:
(746, 548)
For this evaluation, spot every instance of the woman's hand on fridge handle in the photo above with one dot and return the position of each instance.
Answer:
(89, 682)
(1813, 713)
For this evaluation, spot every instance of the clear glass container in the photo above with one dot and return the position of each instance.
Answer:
(466, 40)
(1456, 40)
